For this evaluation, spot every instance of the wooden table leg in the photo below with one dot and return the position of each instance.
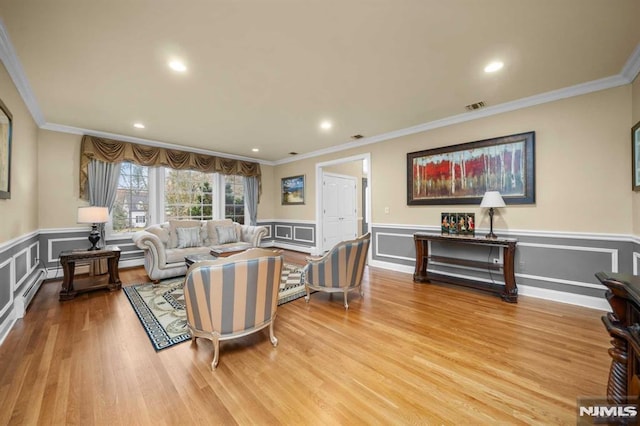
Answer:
(422, 260)
(114, 274)
(510, 289)
(67, 292)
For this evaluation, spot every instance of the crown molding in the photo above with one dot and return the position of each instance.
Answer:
(149, 142)
(542, 98)
(11, 62)
(632, 67)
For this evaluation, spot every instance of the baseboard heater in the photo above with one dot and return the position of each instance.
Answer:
(30, 289)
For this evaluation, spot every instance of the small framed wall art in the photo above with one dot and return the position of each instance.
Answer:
(292, 190)
(635, 157)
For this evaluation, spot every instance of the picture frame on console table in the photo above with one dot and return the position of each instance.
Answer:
(458, 224)
(6, 130)
(635, 157)
(461, 174)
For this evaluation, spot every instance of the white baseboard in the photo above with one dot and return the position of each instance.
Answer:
(130, 263)
(523, 290)
(563, 297)
(7, 325)
(294, 247)
(392, 266)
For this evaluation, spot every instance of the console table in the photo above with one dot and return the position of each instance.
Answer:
(623, 325)
(508, 292)
(68, 260)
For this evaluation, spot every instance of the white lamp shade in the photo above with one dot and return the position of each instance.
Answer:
(93, 214)
(492, 199)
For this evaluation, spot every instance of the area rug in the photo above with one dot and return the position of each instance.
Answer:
(160, 307)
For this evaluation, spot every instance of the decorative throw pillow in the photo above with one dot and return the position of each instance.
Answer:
(174, 225)
(226, 234)
(188, 237)
(211, 229)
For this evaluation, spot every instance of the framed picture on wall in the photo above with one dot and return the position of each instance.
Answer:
(461, 174)
(6, 127)
(292, 189)
(635, 157)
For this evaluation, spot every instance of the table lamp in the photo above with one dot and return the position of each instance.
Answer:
(492, 199)
(93, 215)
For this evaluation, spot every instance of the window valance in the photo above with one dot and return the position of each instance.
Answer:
(113, 151)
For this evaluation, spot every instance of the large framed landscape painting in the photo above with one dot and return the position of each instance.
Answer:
(293, 190)
(6, 122)
(461, 174)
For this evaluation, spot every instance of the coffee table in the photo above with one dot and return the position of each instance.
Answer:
(229, 250)
(215, 254)
(193, 258)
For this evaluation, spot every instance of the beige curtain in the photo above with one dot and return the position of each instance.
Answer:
(112, 151)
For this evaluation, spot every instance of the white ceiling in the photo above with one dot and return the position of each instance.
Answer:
(264, 73)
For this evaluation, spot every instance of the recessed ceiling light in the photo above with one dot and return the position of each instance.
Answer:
(177, 66)
(138, 125)
(326, 125)
(255, 149)
(493, 66)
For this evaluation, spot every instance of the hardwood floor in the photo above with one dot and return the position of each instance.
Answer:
(404, 353)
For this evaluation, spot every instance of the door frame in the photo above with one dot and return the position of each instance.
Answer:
(319, 202)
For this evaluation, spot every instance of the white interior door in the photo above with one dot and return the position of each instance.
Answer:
(339, 217)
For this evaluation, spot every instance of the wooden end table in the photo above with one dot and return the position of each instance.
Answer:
(68, 259)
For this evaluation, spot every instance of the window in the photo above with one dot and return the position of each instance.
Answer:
(234, 198)
(154, 195)
(132, 199)
(188, 194)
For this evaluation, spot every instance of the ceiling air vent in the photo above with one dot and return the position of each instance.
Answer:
(477, 105)
(293, 153)
(357, 137)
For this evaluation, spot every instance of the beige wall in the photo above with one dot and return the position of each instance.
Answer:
(306, 211)
(59, 164)
(582, 168)
(267, 203)
(19, 215)
(635, 117)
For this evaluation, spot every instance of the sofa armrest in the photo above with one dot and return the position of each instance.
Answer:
(147, 241)
(253, 234)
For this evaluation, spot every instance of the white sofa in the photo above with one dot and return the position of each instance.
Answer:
(166, 245)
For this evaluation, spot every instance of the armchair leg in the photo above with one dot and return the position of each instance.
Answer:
(272, 337)
(346, 305)
(306, 298)
(216, 353)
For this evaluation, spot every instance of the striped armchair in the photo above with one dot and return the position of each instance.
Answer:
(339, 270)
(233, 297)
